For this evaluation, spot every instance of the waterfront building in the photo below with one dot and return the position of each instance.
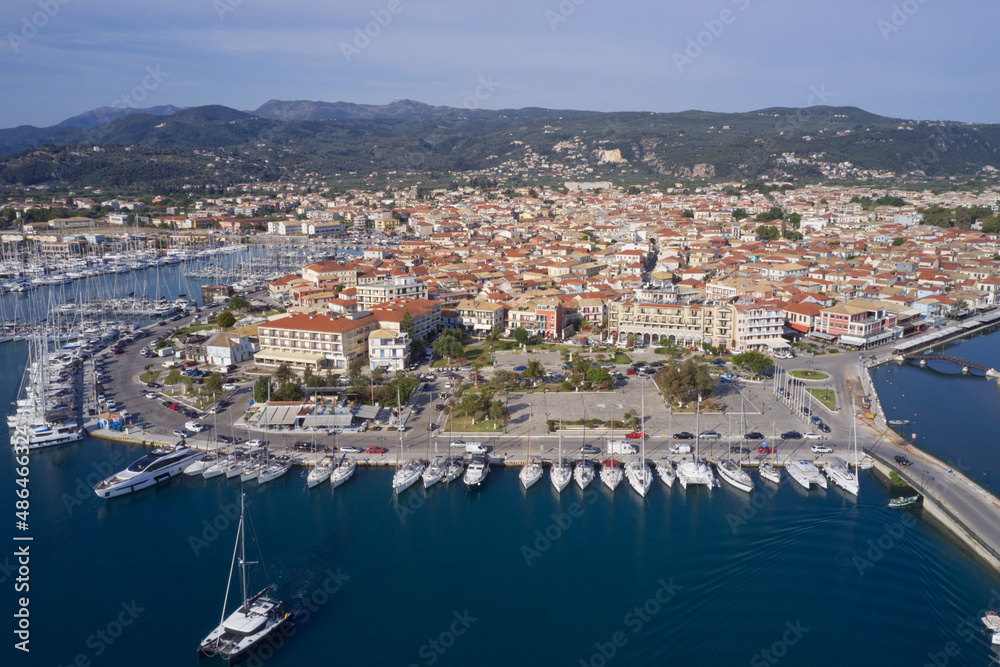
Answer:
(228, 347)
(315, 341)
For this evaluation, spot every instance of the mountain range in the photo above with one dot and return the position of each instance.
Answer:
(291, 139)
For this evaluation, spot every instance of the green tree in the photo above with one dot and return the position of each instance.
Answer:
(521, 336)
(283, 373)
(686, 382)
(534, 370)
(774, 213)
(378, 374)
(213, 383)
(226, 319)
(756, 362)
(237, 303)
(502, 379)
(174, 376)
(260, 388)
(288, 391)
(418, 348)
(739, 213)
(898, 241)
(406, 324)
(768, 233)
(496, 411)
(795, 219)
(448, 346)
(356, 375)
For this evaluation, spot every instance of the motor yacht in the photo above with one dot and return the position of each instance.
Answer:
(156, 467)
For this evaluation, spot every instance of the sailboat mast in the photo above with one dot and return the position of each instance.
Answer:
(243, 551)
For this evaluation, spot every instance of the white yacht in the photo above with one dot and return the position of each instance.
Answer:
(274, 470)
(583, 473)
(46, 434)
(639, 476)
(343, 472)
(804, 473)
(732, 473)
(236, 466)
(199, 467)
(454, 469)
(694, 470)
(560, 474)
(838, 472)
(320, 472)
(666, 472)
(219, 467)
(770, 472)
(477, 471)
(530, 473)
(252, 471)
(434, 472)
(611, 474)
(406, 475)
(154, 468)
(252, 622)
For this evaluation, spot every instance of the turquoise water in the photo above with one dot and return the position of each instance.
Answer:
(498, 576)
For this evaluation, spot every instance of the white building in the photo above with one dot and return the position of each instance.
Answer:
(388, 349)
(284, 227)
(226, 348)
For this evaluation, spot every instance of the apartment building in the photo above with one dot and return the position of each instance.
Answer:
(315, 341)
(858, 323)
(388, 349)
(541, 316)
(688, 325)
(759, 327)
(482, 316)
(386, 290)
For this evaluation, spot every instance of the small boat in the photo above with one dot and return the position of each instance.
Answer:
(903, 501)
(454, 469)
(561, 472)
(992, 621)
(320, 472)
(732, 473)
(639, 476)
(199, 467)
(478, 469)
(343, 472)
(530, 473)
(583, 473)
(665, 471)
(275, 470)
(434, 472)
(898, 422)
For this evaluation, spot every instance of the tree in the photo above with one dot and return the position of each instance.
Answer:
(260, 389)
(174, 376)
(521, 335)
(226, 319)
(686, 382)
(283, 373)
(739, 213)
(356, 375)
(237, 303)
(768, 233)
(213, 383)
(406, 324)
(534, 370)
(378, 374)
(795, 219)
(502, 379)
(687, 213)
(496, 411)
(755, 362)
(774, 213)
(288, 391)
(418, 348)
(448, 345)
(898, 241)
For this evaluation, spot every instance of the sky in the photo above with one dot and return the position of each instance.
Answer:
(914, 59)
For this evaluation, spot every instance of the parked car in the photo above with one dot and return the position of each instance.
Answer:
(754, 435)
(765, 449)
(738, 449)
(427, 386)
(376, 450)
(589, 449)
(809, 435)
(710, 435)
(351, 449)
(902, 460)
(683, 435)
(229, 386)
(815, 419)
(439, 407)
(631, 371)
(791, 435)
(679, 448)
(149, 394)
(821, 449)
(519, 369)
(180, 433)
(256, 443)
(635, 435)
(457, 443)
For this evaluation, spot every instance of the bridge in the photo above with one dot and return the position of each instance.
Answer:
(964, 364)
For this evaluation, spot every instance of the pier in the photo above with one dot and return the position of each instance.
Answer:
(964, 364)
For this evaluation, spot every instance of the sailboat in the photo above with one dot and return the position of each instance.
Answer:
(640, 477)
(406, 473)
(344, 470)
(769, 469)
(532, 470)
(435, 470)
(583, 472)
(695, 470)
(253, 621)
(731, 471)
(611, 474)
(838, 472)
(560, 473)
(320, 472)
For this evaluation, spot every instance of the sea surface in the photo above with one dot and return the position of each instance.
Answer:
(500, 576)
